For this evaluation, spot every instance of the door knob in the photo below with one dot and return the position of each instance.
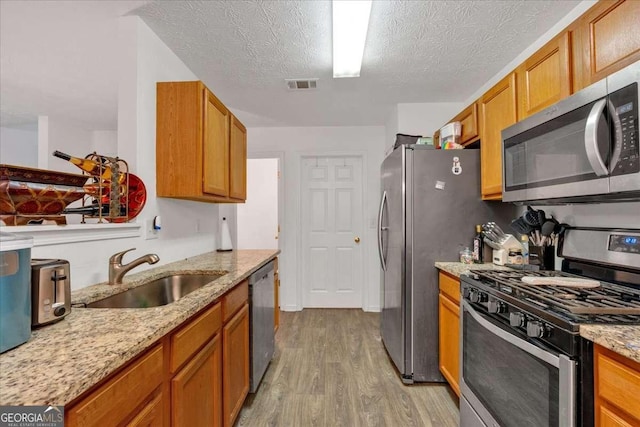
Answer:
(357, 240)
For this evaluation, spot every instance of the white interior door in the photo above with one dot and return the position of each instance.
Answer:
(257, 218)
(331, 225)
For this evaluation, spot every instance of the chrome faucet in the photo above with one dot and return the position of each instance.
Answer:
(117, 270)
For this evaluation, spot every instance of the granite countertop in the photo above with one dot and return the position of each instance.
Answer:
(623, 339)
(458, 268)
(63, 360)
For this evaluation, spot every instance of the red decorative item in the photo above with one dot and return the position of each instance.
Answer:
(37, 192)
(136, 198)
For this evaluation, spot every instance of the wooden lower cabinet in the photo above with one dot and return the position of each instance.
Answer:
(276, 292)
(196, 392)
(617, 387)
(235, 364)
(152, 415)
(122, 397)
(449, 329)
(197, 375)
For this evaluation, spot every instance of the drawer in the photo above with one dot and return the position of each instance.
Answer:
(234, 299)
(116, 400)
(617, 379)
(450, 286)
(188, 340)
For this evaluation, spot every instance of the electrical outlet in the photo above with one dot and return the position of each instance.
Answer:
(149, 231)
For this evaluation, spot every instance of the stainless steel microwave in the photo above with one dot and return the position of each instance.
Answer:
(582, 149)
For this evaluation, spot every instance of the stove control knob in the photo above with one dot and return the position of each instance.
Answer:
(536, 329)
(482, 297)
(465, 293)
(473, 295)
(517, 319)
(495, 306)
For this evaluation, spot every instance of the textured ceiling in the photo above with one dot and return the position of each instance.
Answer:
(416, 51)
(60, 58)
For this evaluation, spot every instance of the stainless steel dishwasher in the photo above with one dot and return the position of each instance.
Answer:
(261, 322)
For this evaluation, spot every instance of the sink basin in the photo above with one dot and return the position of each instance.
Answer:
(158, 292)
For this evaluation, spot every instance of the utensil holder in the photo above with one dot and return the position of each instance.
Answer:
(543, 256)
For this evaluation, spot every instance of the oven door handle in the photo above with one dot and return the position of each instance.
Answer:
(591, 138)
(550, 358)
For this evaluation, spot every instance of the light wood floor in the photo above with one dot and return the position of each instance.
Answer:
(330, 369)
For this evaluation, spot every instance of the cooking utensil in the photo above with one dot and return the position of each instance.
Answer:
(530, 217)
(520, 226)
(569, 282)
(546, 230)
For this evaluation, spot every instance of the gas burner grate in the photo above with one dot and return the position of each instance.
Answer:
(608, 299)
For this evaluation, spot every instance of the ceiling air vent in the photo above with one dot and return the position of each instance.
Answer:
(301, 84)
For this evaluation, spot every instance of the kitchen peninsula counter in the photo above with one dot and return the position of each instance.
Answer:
(63, 360)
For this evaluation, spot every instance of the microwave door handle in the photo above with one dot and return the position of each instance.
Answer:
(617, 136)
(591, 138)
(383, 201)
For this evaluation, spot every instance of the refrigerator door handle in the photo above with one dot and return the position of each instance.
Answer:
(380, 230)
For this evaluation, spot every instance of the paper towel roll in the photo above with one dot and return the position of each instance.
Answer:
(225, 237)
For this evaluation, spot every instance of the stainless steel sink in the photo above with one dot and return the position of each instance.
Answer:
(158, 292)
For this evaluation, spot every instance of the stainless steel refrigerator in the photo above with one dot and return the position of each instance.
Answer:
(429, 207)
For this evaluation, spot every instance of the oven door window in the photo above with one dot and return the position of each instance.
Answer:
(515, 387)
(555, 152)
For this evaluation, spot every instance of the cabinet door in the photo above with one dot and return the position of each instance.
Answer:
(468, 119)
(498, 111)
(449, 319)
(276, 285)
(215, 148)
(238, 160)
(609, 39)
(196, 395)
(616, 378)
(544, 78)
(235, 361)
(117, 400)
(151, 415)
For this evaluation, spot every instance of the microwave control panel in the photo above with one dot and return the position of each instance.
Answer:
(625, 101)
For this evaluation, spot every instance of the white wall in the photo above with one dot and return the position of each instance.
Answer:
(257, 219)
(105, 142)
(294, 142)
(19, 147)
(68, 138)
(145, 60)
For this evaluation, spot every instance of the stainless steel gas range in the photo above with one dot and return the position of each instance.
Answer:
(523, 360)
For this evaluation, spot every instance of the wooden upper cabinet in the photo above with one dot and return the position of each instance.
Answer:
(608, 40)
(498, 111)
(468, 119)
(238, 160)
(215, 147)
(198, 148)
(545, 77)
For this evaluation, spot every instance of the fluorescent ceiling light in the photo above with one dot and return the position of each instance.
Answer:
(350, 24)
